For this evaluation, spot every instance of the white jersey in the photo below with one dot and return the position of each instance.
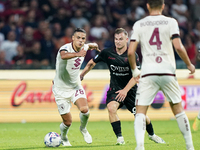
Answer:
(67, 71)
(155, 36)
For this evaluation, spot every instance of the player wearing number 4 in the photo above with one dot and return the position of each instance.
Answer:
(67, 85)
(156, 35)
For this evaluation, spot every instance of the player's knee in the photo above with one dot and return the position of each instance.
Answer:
(111, 109)
(84, 109)
(67, 122)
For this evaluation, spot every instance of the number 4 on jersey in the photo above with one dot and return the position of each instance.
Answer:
(157, 42)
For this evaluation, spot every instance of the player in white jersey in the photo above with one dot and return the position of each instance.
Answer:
(67, 86)
(156, 35)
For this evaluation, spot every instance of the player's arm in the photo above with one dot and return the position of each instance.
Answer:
(87, 68)
(122, 93)
(93, 46)
(180, 49)
(67, 55)
(131, 58)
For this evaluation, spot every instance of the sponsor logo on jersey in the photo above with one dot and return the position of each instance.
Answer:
(111, 58)
(119, 68)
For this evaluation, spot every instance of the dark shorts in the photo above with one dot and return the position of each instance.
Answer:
(129, 101)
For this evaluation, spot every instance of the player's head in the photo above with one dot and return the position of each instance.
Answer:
(155, 5)
(120, 38)
(79, 38)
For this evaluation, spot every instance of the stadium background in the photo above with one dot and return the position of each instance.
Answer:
(31, 31)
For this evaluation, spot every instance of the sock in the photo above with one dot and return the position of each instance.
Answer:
(117, 128)
(198, 115)
(63, 129)
(140, 127)
(84, 119)
(149, 129)
(184, 127)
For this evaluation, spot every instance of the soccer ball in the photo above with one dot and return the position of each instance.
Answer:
(52, 139)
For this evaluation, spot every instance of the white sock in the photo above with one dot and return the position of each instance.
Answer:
(140, 128)
(63, 129)
(184, 127)
(84, 119)
(198, 115)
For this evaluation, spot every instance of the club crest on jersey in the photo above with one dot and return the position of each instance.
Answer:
(77, 62)
(158, 59)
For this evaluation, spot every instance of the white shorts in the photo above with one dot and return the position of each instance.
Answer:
(64, 97)
(149, 86)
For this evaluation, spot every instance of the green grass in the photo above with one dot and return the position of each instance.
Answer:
(29, 136)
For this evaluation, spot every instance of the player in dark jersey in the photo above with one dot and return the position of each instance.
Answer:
(123, 86)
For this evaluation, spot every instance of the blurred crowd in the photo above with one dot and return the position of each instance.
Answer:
(31, 31)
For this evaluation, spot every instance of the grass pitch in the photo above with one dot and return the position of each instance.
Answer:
(30, 136)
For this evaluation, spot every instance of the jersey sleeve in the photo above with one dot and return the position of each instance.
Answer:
(64, 48)
(174, 29)
(135, 33)
(99, 57)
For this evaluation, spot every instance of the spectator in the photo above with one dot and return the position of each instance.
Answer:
(191, 49)
(20, 58)
(135, 10)
(78, 21)
(34, 6)
(97, 30)
(3, 63)
(67, 38)
(48, 47)
(36, 59)
(11, 25)
(27, 40)
(42, 27)
(9, 46)
(180, 12)
(31, 19)
(57, 31)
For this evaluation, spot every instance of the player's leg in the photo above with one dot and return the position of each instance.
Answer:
(172, 92)
(129, 102)
(82, 105)
(112, 107)
(183, 124)
(196, 123)
(64, 128)
(147, 90)
(64, 105)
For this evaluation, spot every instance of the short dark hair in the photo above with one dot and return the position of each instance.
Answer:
(155, 3)
(120, 30)
(79, 30)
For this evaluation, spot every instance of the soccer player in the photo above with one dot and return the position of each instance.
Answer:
(123, 86)
(196, 123)
(67, 86)
(157, 35)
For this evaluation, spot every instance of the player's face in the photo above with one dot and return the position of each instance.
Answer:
(79, 39)
(121, 40)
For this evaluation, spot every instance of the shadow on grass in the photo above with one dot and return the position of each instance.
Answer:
(60, 147)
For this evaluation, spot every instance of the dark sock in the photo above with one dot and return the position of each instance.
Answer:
(149, 129)
(117, 128)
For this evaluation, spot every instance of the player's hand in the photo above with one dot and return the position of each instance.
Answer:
(137, 79)
(191, 67)
(81, 77)
(81, 53)
(93, 46)
(121, 95)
